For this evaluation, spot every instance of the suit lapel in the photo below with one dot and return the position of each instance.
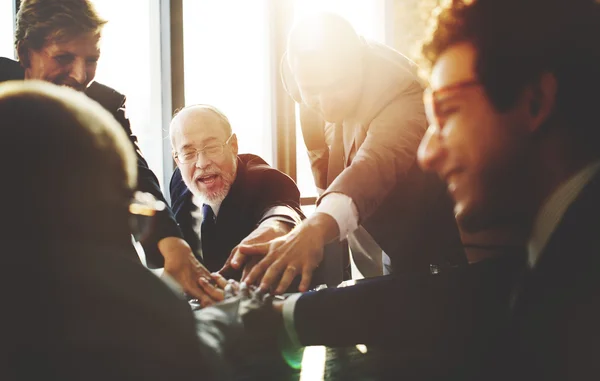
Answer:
(570, 252)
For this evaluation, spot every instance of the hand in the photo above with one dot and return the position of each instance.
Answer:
(298, 252)
(266, 232)
(240, 326)
(217, 288)
(182, 266)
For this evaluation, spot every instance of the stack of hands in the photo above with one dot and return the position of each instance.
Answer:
(272, 256)
(244, 324)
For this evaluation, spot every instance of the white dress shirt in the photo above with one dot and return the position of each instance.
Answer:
(342, 209)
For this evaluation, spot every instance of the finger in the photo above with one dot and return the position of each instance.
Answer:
(219, 280)
(229, 292)
(249, 266)
(213, 292)
(227, 266)
(307, 273)
(206, 301)
(273, 274)
(244, 289)
(259, 269)
(238, 259)
(235, 285)
(194, 291)
(257, 249)
(288, 277)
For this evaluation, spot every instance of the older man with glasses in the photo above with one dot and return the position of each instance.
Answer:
(221, 199)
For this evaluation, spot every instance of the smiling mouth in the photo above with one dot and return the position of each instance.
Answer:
(208, 179)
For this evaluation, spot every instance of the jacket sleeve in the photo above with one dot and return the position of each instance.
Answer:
(441, 317)
(165, 224)
(279, 198)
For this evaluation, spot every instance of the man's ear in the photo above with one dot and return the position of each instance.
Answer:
(23, 54)
(543, 100)
(289, 83)
(173, 154)
(234, 144)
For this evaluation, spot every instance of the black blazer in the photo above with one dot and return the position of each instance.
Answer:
(114, 102)
(257, 188)
(555, 326)
(432, 325)
(491, 320)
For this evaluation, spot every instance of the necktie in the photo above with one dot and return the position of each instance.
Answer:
(207, 235)
(336, 154)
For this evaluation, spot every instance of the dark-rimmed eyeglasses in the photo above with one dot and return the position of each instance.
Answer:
(212, 151)
(433, 98)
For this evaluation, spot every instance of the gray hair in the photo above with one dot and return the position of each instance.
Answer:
(218, 113)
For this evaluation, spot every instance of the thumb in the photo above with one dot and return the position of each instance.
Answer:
(233, 263)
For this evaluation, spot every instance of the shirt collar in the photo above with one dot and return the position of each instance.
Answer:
(198, 202)
(554, 208)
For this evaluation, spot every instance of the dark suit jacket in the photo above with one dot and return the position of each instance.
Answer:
(114, 102)
(491, 320)
(257, 188)
(430, 325)
(555, 327)
(406, 211)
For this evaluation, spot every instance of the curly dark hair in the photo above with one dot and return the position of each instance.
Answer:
(517, 40)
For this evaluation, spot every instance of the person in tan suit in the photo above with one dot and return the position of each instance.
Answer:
(363, 158)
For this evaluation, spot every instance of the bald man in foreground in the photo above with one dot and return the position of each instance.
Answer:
(221, 199)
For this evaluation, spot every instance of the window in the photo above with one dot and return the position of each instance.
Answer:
(7, 20)
(366, 16)
(226, 58)
(130, 63)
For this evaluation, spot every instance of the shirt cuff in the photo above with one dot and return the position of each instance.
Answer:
(289, 306)
(342, 209)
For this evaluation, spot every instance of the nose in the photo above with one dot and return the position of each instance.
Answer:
(202, 161)
(430, 152)
(78, 71)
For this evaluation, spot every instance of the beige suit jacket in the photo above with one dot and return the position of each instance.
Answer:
(406, 211)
